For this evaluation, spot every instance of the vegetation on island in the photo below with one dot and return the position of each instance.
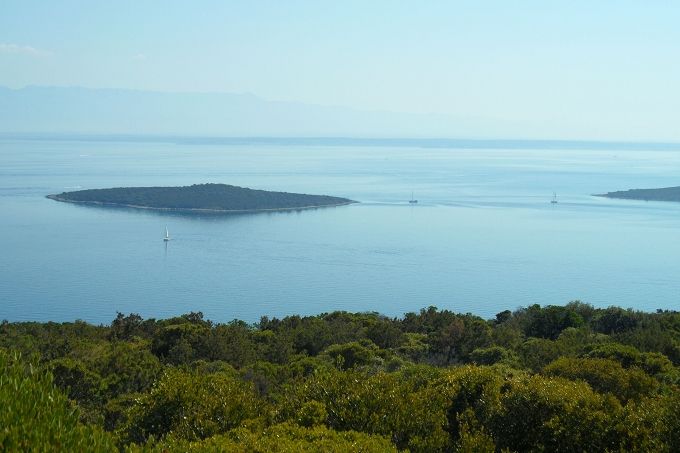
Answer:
(209, 197)
(663, 194)
(553, 378)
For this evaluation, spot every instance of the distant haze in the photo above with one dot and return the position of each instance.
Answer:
(536, 69)
(111, 111)
(77, 110)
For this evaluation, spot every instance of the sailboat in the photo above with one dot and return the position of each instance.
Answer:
(167, 235)
(554, 200)
(412, 200)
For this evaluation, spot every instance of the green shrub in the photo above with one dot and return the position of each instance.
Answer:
(493, 355)
(605, 376)
(651, 424)
(192, 406)
(350, 355)
(281, 438)
(538, 413)
(36, 416)
(396, 405)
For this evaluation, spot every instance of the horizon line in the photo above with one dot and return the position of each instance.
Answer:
(340, 140)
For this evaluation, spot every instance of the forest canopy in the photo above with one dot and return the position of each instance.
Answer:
(540, 378)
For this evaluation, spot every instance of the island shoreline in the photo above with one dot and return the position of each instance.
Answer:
(666, 194)
(197, 210)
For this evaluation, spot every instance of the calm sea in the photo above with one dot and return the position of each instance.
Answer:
(483, 237)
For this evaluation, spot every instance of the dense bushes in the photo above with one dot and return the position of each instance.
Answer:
(191, 406)
(395, 405)
(282, 438)
(36, 416)
(605, 376)
(572, 378)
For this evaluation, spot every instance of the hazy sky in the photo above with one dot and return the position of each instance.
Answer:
(578, 69)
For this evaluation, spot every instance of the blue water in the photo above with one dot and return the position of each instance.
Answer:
(483, 237)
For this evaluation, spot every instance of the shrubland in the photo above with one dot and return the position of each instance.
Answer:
(553, 378)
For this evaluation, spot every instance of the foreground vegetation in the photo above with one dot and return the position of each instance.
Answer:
(551, 378)
(211, 197)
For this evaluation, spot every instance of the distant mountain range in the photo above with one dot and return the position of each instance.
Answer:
(114, 111)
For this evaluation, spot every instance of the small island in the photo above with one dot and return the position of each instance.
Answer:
(662, 194)
(200, 198)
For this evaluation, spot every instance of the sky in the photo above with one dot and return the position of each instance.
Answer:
(606, 69)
